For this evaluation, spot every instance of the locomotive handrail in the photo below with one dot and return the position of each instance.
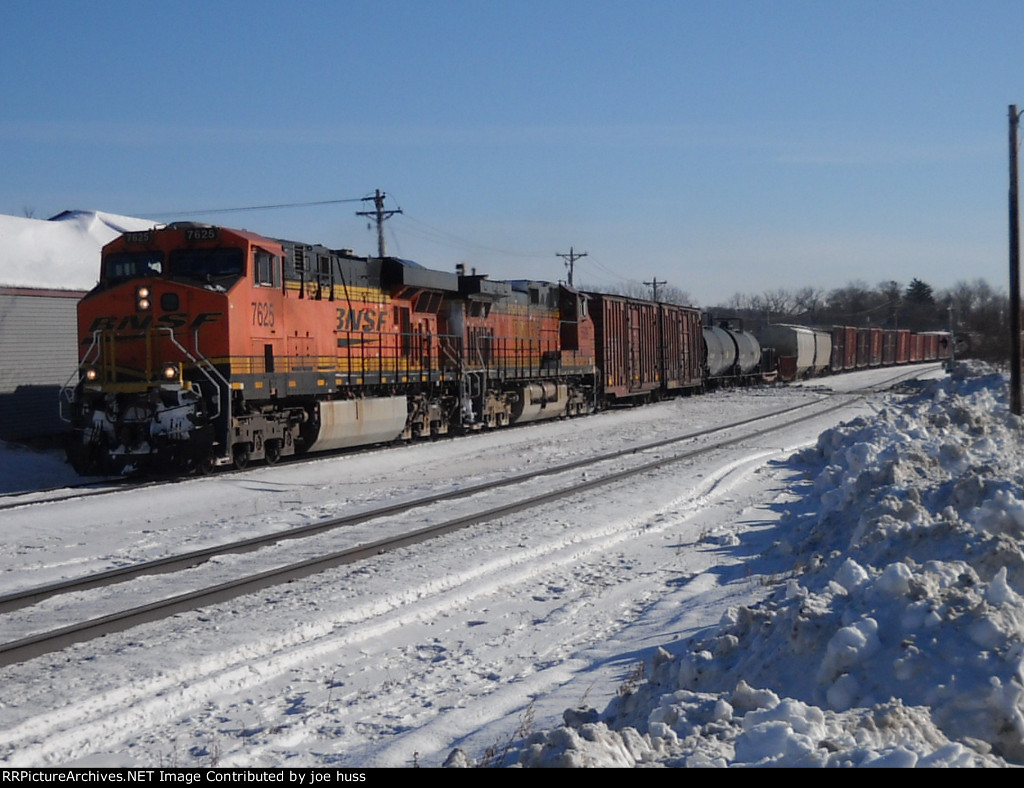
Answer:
(63, 396)
(199, 364)
(212, 368)
(452, 357)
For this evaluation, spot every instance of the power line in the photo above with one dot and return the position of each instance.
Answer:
(596, 263)
(421, 229)
(170, 214)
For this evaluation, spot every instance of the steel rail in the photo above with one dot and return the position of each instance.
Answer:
(48, 642)
(24, 598)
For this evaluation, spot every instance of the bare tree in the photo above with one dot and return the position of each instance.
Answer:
(808, 303)
(668, 294)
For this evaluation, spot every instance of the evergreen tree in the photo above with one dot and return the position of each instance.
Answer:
(919, 292)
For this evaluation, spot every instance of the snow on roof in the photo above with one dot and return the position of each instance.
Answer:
(61, 252)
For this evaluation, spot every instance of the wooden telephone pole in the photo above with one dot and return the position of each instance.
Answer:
(380, 215)
(1015, 358)
(570, 260)
(653, 284)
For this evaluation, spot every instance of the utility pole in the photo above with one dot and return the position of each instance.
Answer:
(952, 336)
(380, 215)
(1015, 359)
(570, 260)
(653, 284)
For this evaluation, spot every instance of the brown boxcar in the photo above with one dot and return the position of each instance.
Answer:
(931, 347)
(889, 343)
(644, 348)
(869, 347)
(626, 339)
(903, 346)
(681, 347)
(844, 348)
(916, 348)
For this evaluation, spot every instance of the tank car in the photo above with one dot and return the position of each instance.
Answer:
(720, 353)
(731, 354)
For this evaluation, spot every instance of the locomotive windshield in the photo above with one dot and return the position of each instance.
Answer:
(132, 265)
(207, 265)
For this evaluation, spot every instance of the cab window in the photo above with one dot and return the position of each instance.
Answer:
(266, 268)
(207, 265)
(132, 265)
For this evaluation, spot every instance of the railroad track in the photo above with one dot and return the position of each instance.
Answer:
(110, 485)
(46, 642)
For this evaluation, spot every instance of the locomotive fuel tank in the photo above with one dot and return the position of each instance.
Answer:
(538, 401)
(358, 422)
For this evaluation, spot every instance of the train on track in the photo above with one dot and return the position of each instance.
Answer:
(203, 346)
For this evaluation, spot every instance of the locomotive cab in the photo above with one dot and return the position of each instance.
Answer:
(153, 387)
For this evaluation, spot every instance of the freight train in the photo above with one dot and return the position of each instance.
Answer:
(203, 346)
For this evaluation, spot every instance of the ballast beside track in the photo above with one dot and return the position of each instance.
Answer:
(38, 644)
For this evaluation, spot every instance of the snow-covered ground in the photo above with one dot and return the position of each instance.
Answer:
(848, 599)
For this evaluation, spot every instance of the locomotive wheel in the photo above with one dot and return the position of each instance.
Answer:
(240, 453)
(83, 459)
(204, 464)
(272, 452)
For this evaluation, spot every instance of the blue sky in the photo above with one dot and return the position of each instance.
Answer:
(729, 146)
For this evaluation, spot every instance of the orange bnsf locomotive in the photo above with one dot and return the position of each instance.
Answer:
(204, 346)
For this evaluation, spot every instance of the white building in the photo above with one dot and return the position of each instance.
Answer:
(46, 266)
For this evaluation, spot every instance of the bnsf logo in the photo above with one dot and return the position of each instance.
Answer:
(361, 319)
(142, 322)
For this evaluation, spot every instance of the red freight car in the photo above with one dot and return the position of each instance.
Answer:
(844, 348)
(916, 348)
(681, 347)
(903, 346)
(890, 340)
(869, 347)
(645, 348)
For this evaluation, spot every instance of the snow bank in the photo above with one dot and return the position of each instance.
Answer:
(894, 640)
(62, 252)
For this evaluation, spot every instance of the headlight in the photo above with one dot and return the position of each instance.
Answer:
(170, 371)
(91, 373)
(142, 302)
